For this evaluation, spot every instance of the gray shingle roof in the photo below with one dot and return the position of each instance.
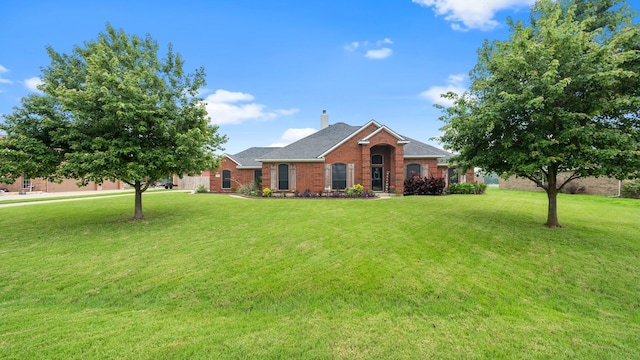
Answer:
(316, 144)
(312, 146)
(248, 157)
(417, 148)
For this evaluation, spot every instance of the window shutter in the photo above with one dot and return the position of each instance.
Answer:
(274, 178)
(350, 175)
(327, 177)
(292, 177)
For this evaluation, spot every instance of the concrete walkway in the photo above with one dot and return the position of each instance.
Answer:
(43, 198)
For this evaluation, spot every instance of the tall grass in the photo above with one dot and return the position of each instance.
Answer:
(213, 276)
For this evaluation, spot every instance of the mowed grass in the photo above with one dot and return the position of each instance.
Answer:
(213, 276)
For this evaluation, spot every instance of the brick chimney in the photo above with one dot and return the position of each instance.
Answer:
(324, 120)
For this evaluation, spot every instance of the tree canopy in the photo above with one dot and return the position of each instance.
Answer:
(112, 110)
(557, 101)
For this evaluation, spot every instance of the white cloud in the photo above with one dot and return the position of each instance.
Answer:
(286, 111)
(372, 50)
(455, 83)
(222, 108)
(472, 14)
(379, 53)
(293, 135)
(225, 96)
(32, 83)
(353, 46)
(3, 80)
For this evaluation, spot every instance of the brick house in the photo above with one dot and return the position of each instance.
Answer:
(38, 184)
(336, 157)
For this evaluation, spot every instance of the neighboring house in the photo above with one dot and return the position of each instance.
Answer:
(337, 157)
(29, 185)
(589, 185)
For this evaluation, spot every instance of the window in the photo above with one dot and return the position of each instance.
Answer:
(413, 170)
(339, 176)
(453, 176)
(226, 179)
(26, 183)
(283, 177)
(257, 179)
(376, 159)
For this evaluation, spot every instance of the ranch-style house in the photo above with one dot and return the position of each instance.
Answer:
(337, 157)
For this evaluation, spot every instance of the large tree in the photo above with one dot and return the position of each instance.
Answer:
(557, 101)
(112, 110)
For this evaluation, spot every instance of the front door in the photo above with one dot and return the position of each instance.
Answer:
(376, 178)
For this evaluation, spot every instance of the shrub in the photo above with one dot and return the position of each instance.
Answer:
(266, 192)
(358, 189)
(308, 194)
(466, 188)
(246, 189)
(201, 189)
(574, 188)
(424, 186)
(631, 189)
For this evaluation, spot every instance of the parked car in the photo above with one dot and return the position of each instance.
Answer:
(168, 185)
(3, 189)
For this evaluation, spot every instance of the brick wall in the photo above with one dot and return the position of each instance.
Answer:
(239, 177)
(43, 185)
(589, 185)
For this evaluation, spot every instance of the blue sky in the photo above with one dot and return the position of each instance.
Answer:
(273, 66)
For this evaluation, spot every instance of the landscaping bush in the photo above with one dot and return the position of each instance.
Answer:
(631, 189)
(357, 191)
(424, 186)
(266, 192)
(201, 189)
(574, 188)
(247, 190)
(308, 194)
(467, 188)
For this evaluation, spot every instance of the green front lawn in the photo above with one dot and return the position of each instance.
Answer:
(213, 276)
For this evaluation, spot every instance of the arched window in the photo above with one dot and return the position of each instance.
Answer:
(226, 179)
(413, 170)
(339, 176)
(283, 177)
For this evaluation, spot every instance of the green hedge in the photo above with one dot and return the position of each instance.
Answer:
(631, 189)
(467, 188)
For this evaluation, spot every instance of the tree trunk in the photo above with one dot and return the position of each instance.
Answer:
(552, 196)
(137, 214)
